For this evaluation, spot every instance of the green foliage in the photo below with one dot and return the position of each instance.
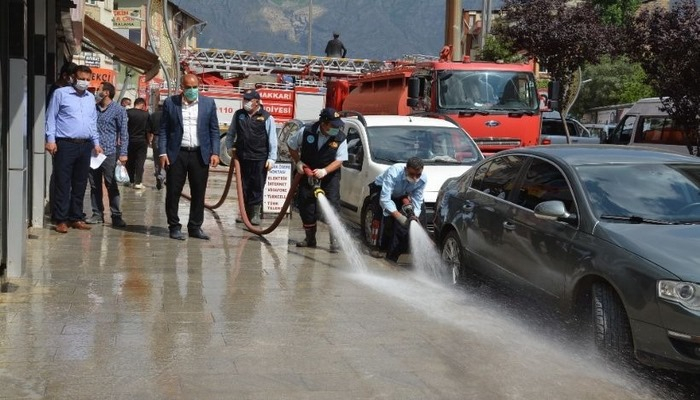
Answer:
(617, 12)
(613, 81)
(499, 49)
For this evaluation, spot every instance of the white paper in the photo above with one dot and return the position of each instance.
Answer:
(96, 161)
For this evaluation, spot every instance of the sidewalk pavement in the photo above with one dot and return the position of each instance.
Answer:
(132, 314)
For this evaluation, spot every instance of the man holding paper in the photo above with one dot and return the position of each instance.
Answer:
(111, 124)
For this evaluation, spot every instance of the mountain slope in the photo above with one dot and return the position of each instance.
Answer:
(369, 28)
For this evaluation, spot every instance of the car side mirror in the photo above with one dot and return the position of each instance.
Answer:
(554, 210)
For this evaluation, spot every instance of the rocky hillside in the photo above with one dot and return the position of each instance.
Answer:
(368, 28)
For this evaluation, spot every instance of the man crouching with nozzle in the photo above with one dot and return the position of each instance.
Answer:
(397, 195)
(319, 151)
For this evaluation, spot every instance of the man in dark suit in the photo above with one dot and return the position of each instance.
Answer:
(188, 142)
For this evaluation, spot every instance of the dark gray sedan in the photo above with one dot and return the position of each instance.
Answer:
(609, 233)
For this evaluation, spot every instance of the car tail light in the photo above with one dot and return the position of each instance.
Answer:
(546, 141)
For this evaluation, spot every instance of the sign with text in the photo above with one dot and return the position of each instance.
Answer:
(279, 181)
(126, 18)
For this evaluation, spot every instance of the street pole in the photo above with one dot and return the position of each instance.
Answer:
(311, 18)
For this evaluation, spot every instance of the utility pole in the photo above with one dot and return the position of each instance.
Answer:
(486, 13)
(311, 19)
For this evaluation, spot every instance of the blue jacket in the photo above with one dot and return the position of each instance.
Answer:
(171, 131)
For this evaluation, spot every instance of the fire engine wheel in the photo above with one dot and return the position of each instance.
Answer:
(224, 158)
(368, 210)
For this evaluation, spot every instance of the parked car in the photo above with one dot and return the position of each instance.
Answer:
(603, 131)
(375, 142)
(647, 124)
(608, 233)
(552, 131)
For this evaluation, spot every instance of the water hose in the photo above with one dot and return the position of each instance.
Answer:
(241, 206)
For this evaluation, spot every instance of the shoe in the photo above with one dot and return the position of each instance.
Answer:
(305, 243)
(61, 227)
(177, 234)
(239, 220)
(159, 183)
(118, 222)
(139, 186)
(392, 259)
(198, 233)
(255, 220)
(376, 254)
(95, 219)
(80, 225)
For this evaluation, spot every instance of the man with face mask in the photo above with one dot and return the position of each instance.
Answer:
(398, 193)
(112, 126)
(253, 135)
(321, 149)
(71, 138)
(188, 143)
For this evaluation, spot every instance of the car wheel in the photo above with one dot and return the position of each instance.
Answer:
(224, 158)
(366, 216)
(453, 257)
(611, 328)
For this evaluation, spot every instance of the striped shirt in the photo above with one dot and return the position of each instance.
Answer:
(112, 125)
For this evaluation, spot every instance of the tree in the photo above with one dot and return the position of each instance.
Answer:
(667, 45)
(613, 81)
(496, 49)
(559, 35)
(617, 12)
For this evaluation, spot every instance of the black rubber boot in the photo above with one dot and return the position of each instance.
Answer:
(335, 247)
(310, 240)
(255, 219)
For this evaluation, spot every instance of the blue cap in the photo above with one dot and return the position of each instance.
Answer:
(330, 115)
(251, 94)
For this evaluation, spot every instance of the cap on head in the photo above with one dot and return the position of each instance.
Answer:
(330, 115)
(251, 94)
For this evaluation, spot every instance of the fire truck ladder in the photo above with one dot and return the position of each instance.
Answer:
(244, 62)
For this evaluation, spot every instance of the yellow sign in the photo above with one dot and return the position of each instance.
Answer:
(127, 18)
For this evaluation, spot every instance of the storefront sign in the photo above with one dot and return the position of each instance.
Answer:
(100, 75)
(126, 18)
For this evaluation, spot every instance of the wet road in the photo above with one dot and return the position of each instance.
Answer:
(132, 314)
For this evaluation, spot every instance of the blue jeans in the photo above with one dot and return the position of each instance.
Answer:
(106, 171)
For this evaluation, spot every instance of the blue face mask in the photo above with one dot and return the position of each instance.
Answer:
(191, 94)
(333, 131)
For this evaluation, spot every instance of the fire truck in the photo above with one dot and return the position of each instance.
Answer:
(299, 90)
(496, 103)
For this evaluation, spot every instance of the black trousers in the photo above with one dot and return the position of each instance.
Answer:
(308, 209)
(137, 152)
(71, 169)
(393, 236)
(253, 178)
(188, 165)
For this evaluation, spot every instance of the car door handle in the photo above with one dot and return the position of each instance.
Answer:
(509, 226)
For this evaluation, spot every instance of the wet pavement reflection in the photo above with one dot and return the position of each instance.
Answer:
(129, 313)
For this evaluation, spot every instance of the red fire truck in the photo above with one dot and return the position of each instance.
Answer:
(496, 103)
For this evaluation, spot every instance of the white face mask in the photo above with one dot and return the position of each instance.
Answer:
(81, 85)
(99, 96)
(411, 180)
(248, 105)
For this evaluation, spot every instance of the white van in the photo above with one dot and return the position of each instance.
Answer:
(647, 124)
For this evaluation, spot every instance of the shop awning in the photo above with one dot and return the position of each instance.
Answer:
(120, 48)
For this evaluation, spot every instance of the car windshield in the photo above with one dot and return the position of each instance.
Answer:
(662, 192)
(487, 90)
(435, 145)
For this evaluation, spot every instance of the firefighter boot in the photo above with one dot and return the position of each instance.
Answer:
(248, 212)
(335, 247)
(310, 240)
(255, 219)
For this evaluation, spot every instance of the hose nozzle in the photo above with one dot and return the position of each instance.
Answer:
(318, 191)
